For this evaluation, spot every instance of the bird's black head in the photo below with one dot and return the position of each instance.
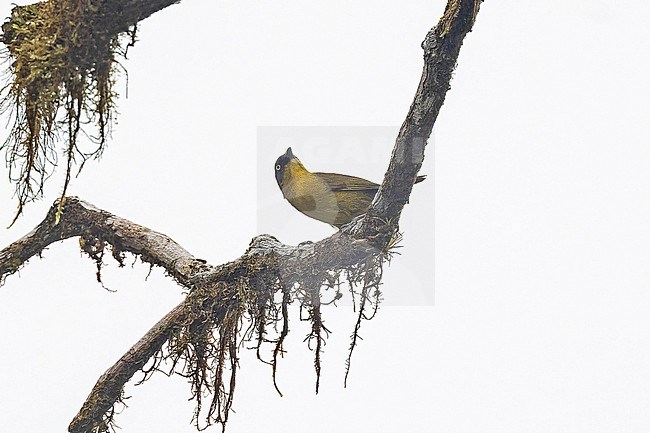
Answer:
(281, 164)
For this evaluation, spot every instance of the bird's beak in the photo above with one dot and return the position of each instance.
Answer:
(289, 153)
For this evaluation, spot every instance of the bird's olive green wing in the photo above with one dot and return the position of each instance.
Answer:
(342, 182)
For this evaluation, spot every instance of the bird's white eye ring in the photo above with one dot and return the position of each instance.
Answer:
(277, 167)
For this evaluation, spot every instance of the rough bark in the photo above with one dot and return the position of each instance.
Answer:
(266, 256)
(441, 48)
(85, 220)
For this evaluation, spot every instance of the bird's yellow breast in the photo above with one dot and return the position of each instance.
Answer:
(311, 195)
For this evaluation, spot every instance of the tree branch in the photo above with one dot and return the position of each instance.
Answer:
(441, 48)
(85, 220)
(108, 389)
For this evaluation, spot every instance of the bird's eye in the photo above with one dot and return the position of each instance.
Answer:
(277, 167)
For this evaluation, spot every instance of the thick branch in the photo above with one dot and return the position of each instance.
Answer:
(83, 219)
(108, 388)
(441, 48)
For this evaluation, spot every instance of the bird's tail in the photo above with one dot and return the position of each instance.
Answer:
(420, 178)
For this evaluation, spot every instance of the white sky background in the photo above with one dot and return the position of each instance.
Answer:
(542, 240)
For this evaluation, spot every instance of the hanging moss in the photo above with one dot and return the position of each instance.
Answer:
(61, 82)
(249, 304)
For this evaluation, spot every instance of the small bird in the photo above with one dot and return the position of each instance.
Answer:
(332, 198)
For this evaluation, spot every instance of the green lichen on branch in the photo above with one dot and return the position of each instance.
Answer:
(62, 67)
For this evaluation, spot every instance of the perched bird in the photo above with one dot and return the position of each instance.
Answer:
(333, 198)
